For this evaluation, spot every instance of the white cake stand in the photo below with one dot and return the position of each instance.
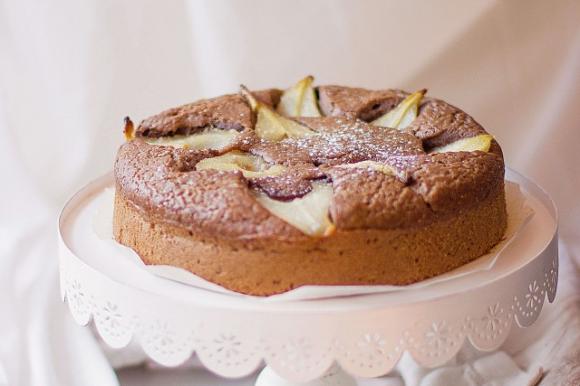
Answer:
(300, 341)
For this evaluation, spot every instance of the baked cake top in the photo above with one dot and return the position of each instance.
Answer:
(307, 162)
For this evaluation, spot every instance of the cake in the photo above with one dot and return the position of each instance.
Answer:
(264, 191)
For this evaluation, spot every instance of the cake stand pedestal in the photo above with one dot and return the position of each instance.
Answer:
(319, 341)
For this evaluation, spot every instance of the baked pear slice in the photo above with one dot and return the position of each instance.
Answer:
(250, 165)
(299, 100)
(310, 213)
(129, 130)
(272, 126)
(371, 165)
(401, 116)
(212, 138)
(480, 142)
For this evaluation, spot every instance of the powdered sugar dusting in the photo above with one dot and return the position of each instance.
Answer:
(348, 140)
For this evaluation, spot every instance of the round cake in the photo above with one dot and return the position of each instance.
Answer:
(265, 191)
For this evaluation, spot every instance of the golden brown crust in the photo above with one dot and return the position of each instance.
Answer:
(357, 102)
(224, 112)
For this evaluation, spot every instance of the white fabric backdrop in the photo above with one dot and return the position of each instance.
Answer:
(71, 70)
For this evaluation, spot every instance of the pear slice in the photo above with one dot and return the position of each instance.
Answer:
(129, 129)
(272, 126)
(372, 165)
(480, 142)
(212, 138)
(299, 100)
(250, 165)
(401, 116)
(308, 213)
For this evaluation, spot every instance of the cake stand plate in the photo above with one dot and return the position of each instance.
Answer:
(301, 341)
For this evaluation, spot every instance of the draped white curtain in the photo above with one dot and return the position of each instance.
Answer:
(71, 70)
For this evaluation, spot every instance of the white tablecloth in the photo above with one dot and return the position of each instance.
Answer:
(71, 70)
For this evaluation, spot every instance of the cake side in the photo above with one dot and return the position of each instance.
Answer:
(357, 257)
